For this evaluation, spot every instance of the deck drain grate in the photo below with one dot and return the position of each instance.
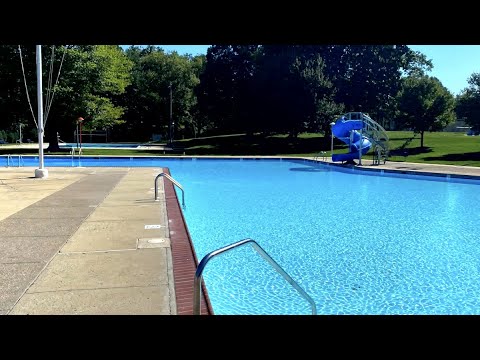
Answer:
(149, 243)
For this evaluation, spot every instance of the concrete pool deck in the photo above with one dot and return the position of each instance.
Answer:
(423, 168)
(94, 241)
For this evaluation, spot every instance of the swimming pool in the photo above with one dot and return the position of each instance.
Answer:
(357, 242)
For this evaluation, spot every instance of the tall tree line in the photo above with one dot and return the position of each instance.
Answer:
(296, 88)
(232, 89)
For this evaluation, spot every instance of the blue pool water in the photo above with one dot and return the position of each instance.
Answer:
(356, 243)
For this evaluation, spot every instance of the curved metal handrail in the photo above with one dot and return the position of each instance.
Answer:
(175, 182)
(376, 132)
(198, 274)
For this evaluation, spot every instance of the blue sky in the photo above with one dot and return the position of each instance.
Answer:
(186, 49)
(452, 64)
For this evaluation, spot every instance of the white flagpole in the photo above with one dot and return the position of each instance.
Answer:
(41, 172)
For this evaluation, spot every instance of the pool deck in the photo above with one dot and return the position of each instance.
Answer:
(95, 241)
(405, 167)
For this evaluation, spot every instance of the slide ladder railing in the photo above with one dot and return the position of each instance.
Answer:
(378, 136)
(198, 274)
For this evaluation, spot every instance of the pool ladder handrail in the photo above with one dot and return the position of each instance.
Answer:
(201, 266)
(10, 159)
(175, 182)
(72, 153)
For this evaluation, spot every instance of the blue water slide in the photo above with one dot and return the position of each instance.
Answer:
(341, 130)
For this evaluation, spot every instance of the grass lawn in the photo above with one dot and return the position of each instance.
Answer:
(439, 147)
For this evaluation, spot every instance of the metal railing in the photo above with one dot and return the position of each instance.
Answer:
(175, 182)
(321, 155)
(378, 135)
(10, 160)
(198, 274)
(79, 153)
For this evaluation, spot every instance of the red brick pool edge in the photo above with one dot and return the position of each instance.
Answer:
(184, 257)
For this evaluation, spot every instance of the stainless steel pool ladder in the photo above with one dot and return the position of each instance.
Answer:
(197, 289)
(72, 153)
(175, 182)
(10, 160)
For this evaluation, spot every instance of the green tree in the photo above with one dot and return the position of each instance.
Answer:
(200, 122)
(279, 94)
(370, 77)
(468, 102)
(414, 63)
(90, 83)
(225, 93)
(14, 108)
(367, 77)
(292, 92)
(148, 98)
(425, 105)
(288, 88)
(318, 95)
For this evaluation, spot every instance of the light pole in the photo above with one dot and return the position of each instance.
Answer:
(171, 118)
(76, 133)
(79, 125)
(331, 137)
(20, 132)
(41, 172)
